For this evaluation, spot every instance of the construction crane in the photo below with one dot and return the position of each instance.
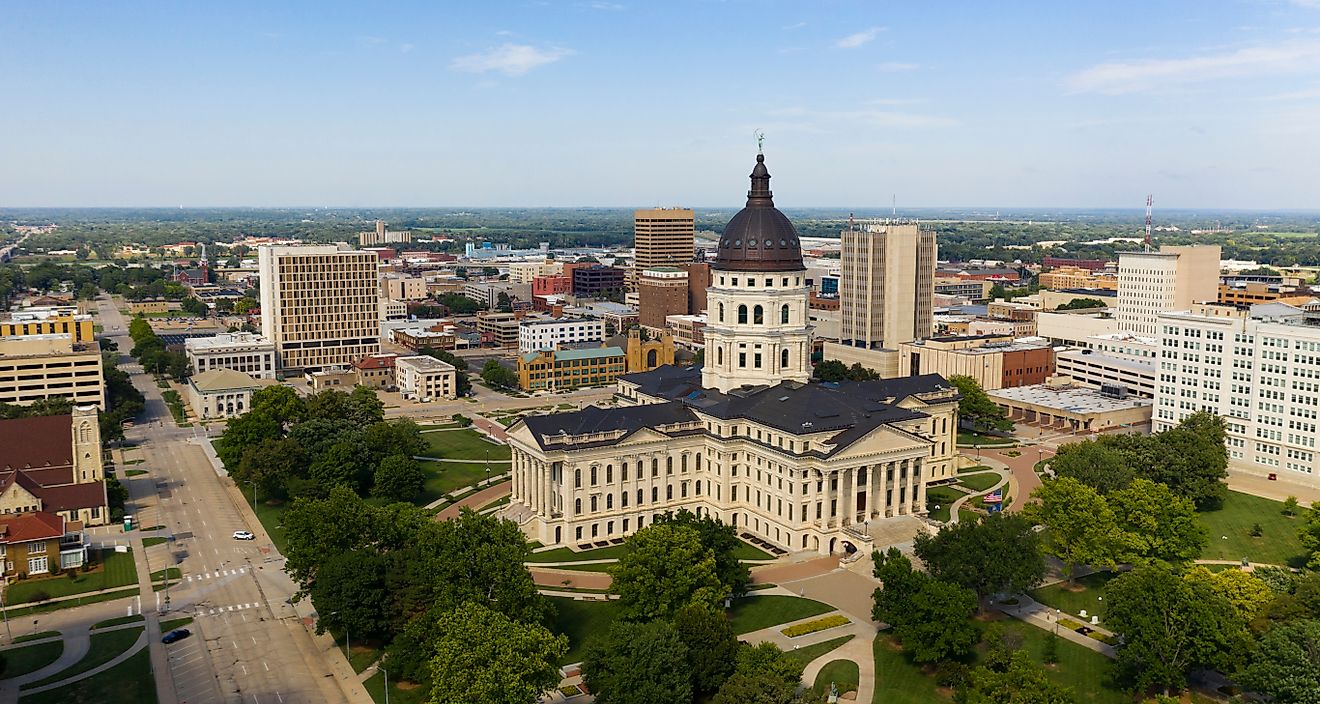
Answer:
(1150, 199)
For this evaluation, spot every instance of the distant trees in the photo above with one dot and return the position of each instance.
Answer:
(1082, 304)
(834, 370)
(149, 350)
(975, 407)
(497, 376)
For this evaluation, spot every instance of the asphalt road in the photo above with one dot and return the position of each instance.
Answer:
(248, 644)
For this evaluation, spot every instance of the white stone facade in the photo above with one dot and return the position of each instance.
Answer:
(756, 329)
(244, 352)
(546, 335)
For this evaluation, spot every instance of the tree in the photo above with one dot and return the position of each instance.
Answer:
(1021, 682)
(859, 373)
(1170, 625)
(482, 655)
(340, 465)
(638, 663)
(1248, 595)
(1309, 533)
(1286, 664)
(665, 568)
(930, 617)
(764, 675)
(1097, 464)
(972, 554)
(1192, 459)
(1081, 528)
(722, 540)
(712, 646)
(350, 592)
(766, 660)
(315, 529)
(498, 376)
(280, 403)
(1082, 304)
(271, 464)
(976, 408)
(243, 432)
(363, 407)
(504, 304)
(394, 437)
(1290, 506)
(195, 307)
(831, 370)
(398, 478)
(1162, 525)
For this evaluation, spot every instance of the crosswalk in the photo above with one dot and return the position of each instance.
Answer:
(202, 576)
(221, 610)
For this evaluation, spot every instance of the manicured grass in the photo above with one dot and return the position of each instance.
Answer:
(70, 603)
(978, 482)
(843, 673)
(36, 636)
(612, 552)
(129, 682)
(167, 626)
(117, 621)
(464, 445)
(747, 551)
(398, 695)
(808, 653)
(106, 646)
(971, 439)
(974, 468)
(135, 472)
(1278, 544)
(30, 658)
(752, 613)
(897, 680)
(271, 516)
(943, 497)
(1084, 670)
(444, 477)
(363, 657)
(583, 622)
(116, 570)
(148, 542)
(1084, 594)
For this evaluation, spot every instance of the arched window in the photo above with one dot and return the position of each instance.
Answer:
(593, 476)
(639, 469)
(623, 471)
(655, 467)
(593, 504)
(669, 492)
(719, 355)
(655, 494)
(783, 359)
(623, 500)
(698, 487)
(577, 479)
(684, 488)
(758, 315)
(609, 474)
(783, 314)
(609, 501)
(669, 465)
(640, 497)
(577, 506)
(742, 315)
(721, 312)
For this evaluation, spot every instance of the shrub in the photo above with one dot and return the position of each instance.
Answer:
(950, 673)
(1051, 654)
(819, 624)
(1257, 531)
(38, 595)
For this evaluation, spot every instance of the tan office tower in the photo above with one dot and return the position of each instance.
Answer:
(1150, 283)
(887, 284)
(663, 237)
(320, 305)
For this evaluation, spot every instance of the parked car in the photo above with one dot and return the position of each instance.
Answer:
(175, 635)
(244, 535)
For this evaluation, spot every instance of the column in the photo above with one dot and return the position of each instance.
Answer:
(548, 499)
(517, 476)
(887, 487)
(832, 488)
(873, 495)
(848, 504)
(921, 484)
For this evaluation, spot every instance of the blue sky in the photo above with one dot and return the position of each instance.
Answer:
(621, 103)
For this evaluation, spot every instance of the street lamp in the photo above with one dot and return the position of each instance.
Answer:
(253, 482)
(387, 683)
(1057, 613)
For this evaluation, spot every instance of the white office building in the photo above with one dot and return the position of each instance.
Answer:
(1259, 368)
(244, 352)
(1173, 278)
(546, 335)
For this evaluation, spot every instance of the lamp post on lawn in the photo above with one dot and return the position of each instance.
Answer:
(1057, 613)
(253, 482)
(387, 683)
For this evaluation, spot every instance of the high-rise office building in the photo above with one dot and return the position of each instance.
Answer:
(663, 237)
(320, 305)
(381, 236)
(1174, 278)
(887, 284)
(661, 292)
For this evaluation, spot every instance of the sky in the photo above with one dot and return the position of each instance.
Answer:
(1203, 103)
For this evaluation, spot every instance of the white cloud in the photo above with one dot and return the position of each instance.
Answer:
(608, 6)
(406, 47)
(852, 41)
(1119, 77)
(896, 67)
(795, 25)
(509, 59)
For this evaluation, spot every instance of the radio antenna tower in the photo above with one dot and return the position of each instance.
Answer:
(1150, 199)
(893, 212)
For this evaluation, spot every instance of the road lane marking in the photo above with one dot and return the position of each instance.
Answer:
(263, 662)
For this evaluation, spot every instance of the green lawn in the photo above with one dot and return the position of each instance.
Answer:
(1084, 594)
(21, 661)
(843, 673)
(972, 439)
(978, 482)
(808, 653)
(118, 620)
(1084, 670)
(135, 472)
(1278, 544)
(70, 603)
(116, 570)
(752, 613)
(747, 551)
(271, 516)
(36, 636)
(376, 688)
(129, 682)
(148, 542)
(363, 656)
(444, 477)
(106, 646)
(897, 680)
(942, 496)
(612, 552)
(167, 626)
(582, 622)
(464, 445)
(974, 468)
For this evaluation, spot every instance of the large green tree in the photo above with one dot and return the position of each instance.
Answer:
(976, 408)
(271, 464)
(1170, 625)
(1080, 527)
(1096, 463)
(498, 376)
(712, 646)
(1192, 459)
(722, 540)
(1162, 526)
(638, 663)
(665, 568)
(1309, 533)
(247, 430)
(973, 554)
(1286, 664)
(1248, 595)
(764, 674)
(398, 478)
(1020, 682)
(350, 592)
(481, 655)
(932, 618)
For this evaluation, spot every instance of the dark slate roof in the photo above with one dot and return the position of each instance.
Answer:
(668, 381)
(601, 420)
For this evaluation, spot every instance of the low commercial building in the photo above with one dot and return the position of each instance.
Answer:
(528, 272)
(559, 370)
(557, 285)
(157, 305)
(401, 287)
(972, 290)
(20, 323)
(617, 315)
(688, 330)
(1072, 328)
(1066, 405)
(244, 352)
(1012, 328)
(35, 367)
(1077, 277)
(437, 336)
(1099, 369)
(995, 361)
(425, 378)
(331, 378)
(499, 329)
(376, 371)
(1053, 299)
(223, 393)
(487, 293)
(597, 281)
(549, 334)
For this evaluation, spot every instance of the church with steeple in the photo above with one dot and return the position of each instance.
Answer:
(747, 437)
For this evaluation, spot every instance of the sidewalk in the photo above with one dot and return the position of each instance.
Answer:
(1043, 617)
(857, 650)
(473, 500)
(1005, 478)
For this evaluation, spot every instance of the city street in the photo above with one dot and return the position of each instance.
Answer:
(248, 644)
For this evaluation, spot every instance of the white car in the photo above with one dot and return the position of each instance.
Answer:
(244, 535)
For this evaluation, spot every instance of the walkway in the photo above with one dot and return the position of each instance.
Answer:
(1045, 618)
(1004, 479)
(474, 500)
(76, 647)
(857, 650)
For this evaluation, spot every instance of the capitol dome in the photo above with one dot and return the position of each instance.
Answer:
(759, 237)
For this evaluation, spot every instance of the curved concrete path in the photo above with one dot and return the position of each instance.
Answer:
(1004, 478)
(52, 669)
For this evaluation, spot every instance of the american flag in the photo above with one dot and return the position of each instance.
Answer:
(993, 497)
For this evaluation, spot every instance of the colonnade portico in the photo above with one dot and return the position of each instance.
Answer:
(836, 493)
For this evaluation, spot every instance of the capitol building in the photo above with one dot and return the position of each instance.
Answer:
(747, 437)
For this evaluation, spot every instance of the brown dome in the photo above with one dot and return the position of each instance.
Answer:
(759, 237)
